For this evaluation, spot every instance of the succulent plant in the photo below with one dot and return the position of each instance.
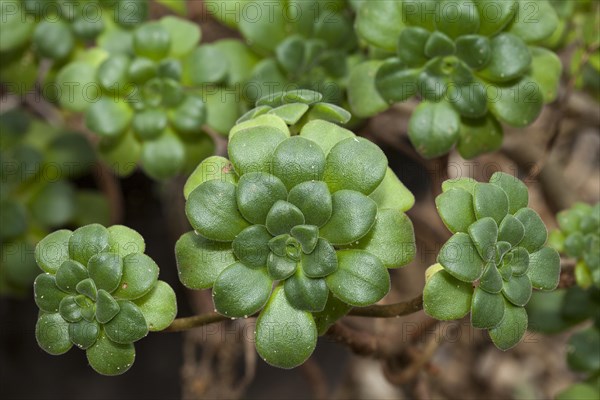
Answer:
(99, 292)
(579, 238)
(471, 70)
(142, 111)
(307, 44)
(493, 260)
(36, 195)
(319, 215)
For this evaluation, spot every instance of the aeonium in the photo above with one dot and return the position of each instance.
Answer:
(295, 228)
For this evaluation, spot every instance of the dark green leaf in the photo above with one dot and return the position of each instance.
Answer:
(46, 294)
(200, 261)
(128, 326)
(487, 310)
(360, 280)
(52, 334)
(544, 269)
(511, 230)
(109, 358)
(108, 118)
(87, 287)
(460, 258)
(512, 328)
(251, 246)
(69, 274)
(510, 58)
(106, 307)
(305, 293)
(535, 230)
(240, 291)
(475, 50)
(140, 274)
(491, 280)
(212, 210)
(285, 336)
(281, 267)
(515, 189)
(433, 128)
(251, 149)
(395, 82)
(439, 45)
(446, 298)
(484, 233)
(282, 217)
(298, 160)
(159, 306)
(456, 18)
(455, 207)
(517, 290)
(490, 201)
(152, 40)
(314, 200)
(352, 218)
(106, 269)
(411, 46)
(307, 236)
(69, 309)
(321, 262)
(84, 334)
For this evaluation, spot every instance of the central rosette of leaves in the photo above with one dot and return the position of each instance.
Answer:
(319, 215)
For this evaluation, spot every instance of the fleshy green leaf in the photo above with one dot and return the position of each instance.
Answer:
(200, 261)
(517, 103)
(391, 193)
(305, 293)
(69, 275)
(361, 278)
(240, 291)
(251, 149)
(352, 218)
(282, 217)
(394, 82)
(81, 75)
(88, 241)
(462, 20)
(52, 334)
(256, 193)
(515, 189)
(546, 70)
(124, 241)
(484, 233)
(290, 113)
(140, 273)
(380, 23)
(355, 164)
(159, 306)
(314, 200)
(213, 211)
(46, 294)
(520, 261)
(455, 207)
(510, 58)
(108, 118)
(535, 230)
(479, 135)
(433, 128)
(212, 168)
(128, 326)
(106, 269)
(184, 34)
(363, 96)
(106, 307)
(274, 341)
(280, 267)
(517, 290)
(544, 269)
(88, 288)
(491, 280)
(307, 236)
(539, 26)
(322, 261)
(152, 40)
(490, 201)
(445, 297)
(511, 230)
(298, 160)
(391, 239)
(69, 309)
(251, 246)
(493, 22)
(164, 157)
(487, 309)
(460, 258)
(411, 46)
(512, 328)
(261, 120)
(109, 358)
(474, 50)
(84, 334)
